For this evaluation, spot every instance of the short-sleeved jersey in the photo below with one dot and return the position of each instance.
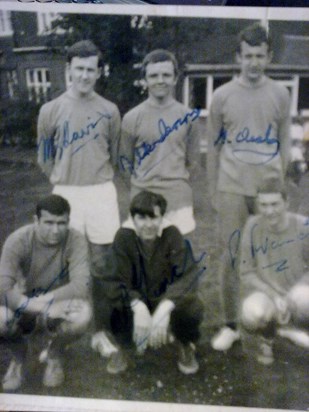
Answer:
(249, 127)
(78, 139)
(29, 267)
(158, 144)
(277, 259)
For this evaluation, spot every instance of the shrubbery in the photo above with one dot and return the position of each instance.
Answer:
(18, 124)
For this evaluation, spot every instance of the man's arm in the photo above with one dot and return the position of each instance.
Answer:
(127, 146)
(186, 268)
(14, 255)
(213, 129)
(284, 133)
(79, 272)
(193, 150)
(114, 137)
(250, 280)
(45, 143)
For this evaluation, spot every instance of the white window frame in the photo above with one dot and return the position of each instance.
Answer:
(37, 89)
(45, 23)
(291, 82)
(5, 23)
(12, 82)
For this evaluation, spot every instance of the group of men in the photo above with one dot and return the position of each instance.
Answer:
(138, 281)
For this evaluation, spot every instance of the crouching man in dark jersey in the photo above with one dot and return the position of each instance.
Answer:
(151, 282)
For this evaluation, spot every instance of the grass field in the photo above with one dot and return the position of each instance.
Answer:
(223, 379)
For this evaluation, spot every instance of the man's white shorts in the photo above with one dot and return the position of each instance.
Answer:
(182, 218)
(94, 210)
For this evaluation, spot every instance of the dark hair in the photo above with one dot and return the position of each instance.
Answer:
(273, 185)
(84, 48)
(144, 202)
(157, 56)
(254, 35)
(54, 204)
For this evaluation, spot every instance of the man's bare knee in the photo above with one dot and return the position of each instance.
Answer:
(298, 299)
(257, 311)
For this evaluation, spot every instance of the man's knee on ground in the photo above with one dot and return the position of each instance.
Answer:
(298, 299)
(257, 311)
(78, 318)
(7, 323)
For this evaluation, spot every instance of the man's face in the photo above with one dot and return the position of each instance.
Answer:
(253, 61)
(147, 227)
(84, 73)
(160, 79)
(51, 229)
(273, 208)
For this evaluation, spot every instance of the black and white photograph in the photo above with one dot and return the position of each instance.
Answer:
(154, 219)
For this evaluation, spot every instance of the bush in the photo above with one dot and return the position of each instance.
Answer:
(18, 126)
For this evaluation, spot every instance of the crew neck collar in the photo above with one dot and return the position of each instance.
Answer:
(251, 85)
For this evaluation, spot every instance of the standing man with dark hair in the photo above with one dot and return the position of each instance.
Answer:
(78, 135)
(274, 273)
(160, 141)
(44, 283)
(248, 132)
(151, 283)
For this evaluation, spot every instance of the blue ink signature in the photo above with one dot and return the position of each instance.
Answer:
(267, 244)
(281, 265)
(145, 149)
(245, 136)
(36, 292)
(272, 244)
(189, 258)
(176, 273)
(50, 148)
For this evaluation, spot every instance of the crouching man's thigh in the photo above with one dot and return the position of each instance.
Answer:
(78, 314)
(257, 311)
(298, 299)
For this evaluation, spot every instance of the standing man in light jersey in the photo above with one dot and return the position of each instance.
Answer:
(248, 134)
(78, 135)
(159, 146)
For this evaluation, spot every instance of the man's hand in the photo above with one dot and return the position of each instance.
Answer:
(68, 310)
(36, 304)
(283, 312)
(142, 324)
(160, 322)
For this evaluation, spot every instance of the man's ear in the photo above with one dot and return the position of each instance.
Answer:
(100, 71)
(270, 56)
(238, 58)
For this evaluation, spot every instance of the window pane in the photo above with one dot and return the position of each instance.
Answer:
(198, 92)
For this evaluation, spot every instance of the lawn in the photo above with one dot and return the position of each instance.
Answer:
(223, 379)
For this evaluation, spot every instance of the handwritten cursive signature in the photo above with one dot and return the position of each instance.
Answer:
(145, 149)
(178, 272)
(36, 292)
(50, 147)
(245, 136)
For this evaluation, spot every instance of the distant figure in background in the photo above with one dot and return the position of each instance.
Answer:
(298, 165)
(248, 135)
(78, 136)
(44, 284)
(274, 273)
(159, 146)
(151, 283)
